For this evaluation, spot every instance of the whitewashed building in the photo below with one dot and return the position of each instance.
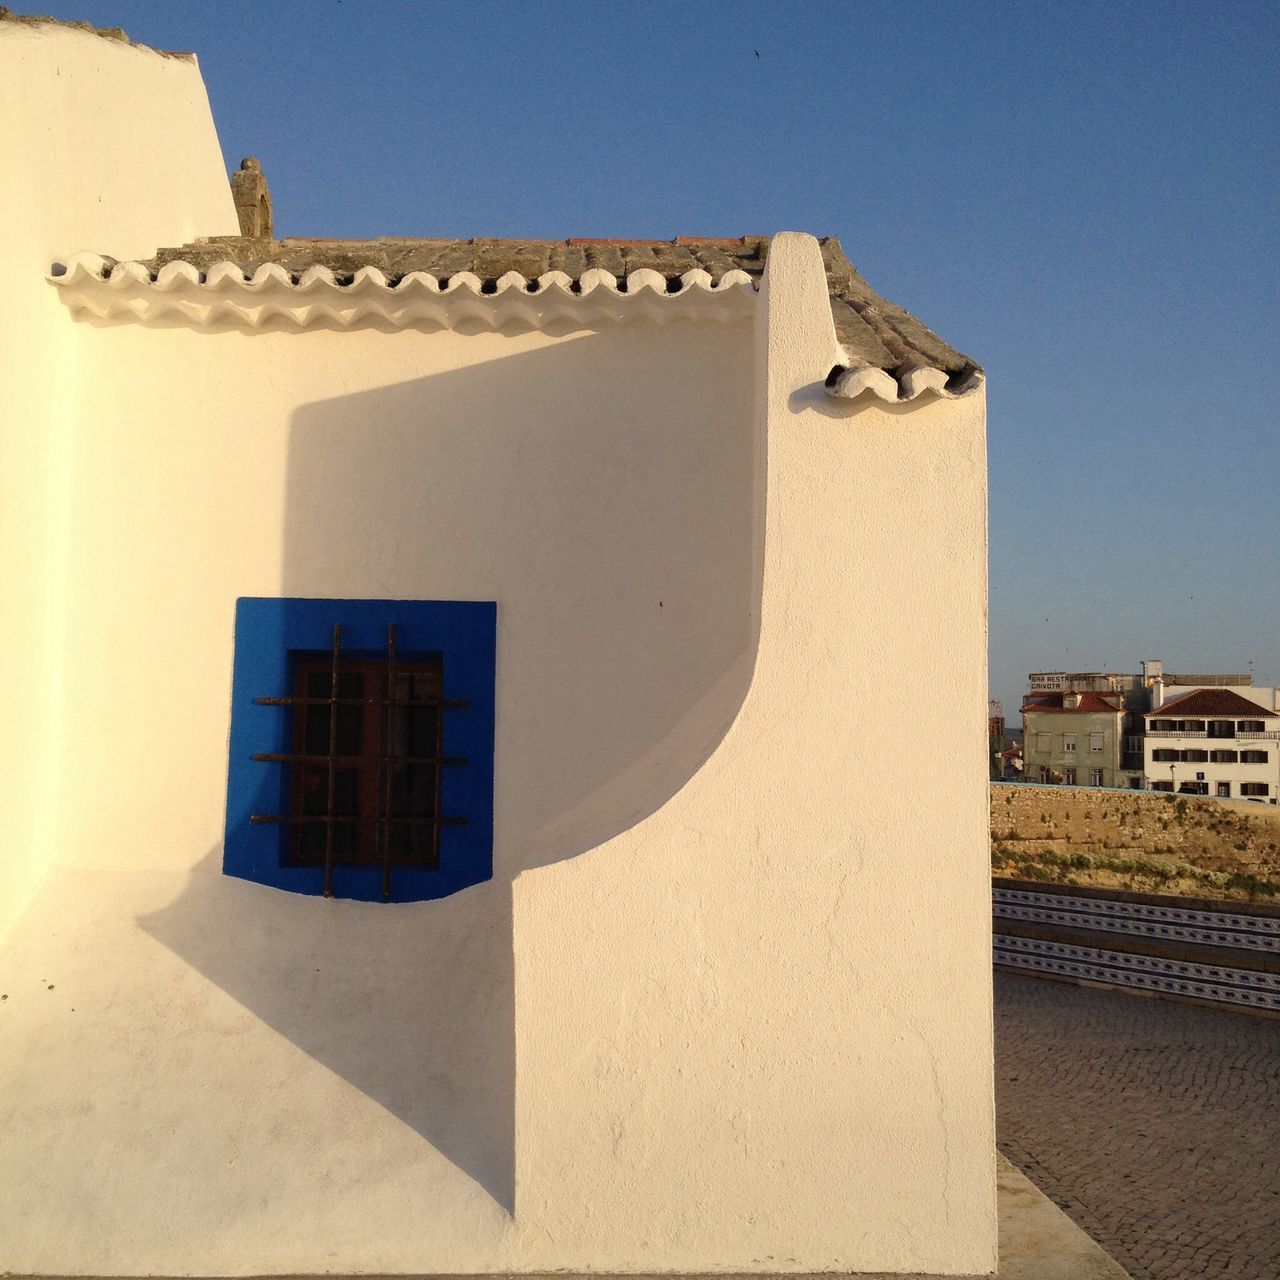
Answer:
(540, 602)
(1215, 742)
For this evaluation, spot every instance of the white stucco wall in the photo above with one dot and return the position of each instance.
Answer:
(101, 143)
(783, 1056)
(725, 1004)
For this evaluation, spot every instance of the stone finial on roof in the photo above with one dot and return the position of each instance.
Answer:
(252, 200)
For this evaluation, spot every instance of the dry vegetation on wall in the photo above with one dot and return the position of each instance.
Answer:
(1147, 841)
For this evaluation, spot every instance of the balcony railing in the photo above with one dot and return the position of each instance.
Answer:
(1273, 734)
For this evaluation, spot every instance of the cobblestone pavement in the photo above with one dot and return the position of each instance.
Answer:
(1155, 1125)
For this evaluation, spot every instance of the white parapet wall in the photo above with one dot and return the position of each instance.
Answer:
(101, 142)
(725, 1003)
(753, 1030)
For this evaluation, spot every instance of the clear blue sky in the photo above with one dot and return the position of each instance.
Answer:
(1081, 196)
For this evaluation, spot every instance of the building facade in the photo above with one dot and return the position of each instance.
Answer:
(1115, 729)
(551, 569)
(1215, 742)
(1078, 739)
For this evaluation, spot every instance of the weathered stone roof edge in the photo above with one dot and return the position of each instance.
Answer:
(107, 33)
(885, 344)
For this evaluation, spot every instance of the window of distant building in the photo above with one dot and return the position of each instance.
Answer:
(1253, 757)
(1164, 755)
(361, 758)
(1223, 789)
(1162, 786)
(1069, 777)
(1069, 743)
(1223, 757)
(1250, 726)
(1095, 741)
(1095, 777)
(1254, 789)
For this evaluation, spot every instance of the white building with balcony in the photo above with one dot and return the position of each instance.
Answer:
(1216, 742)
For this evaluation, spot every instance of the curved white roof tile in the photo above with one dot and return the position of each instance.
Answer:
(884, 351)
(224, 294)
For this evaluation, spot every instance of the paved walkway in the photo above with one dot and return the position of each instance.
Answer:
(1155, 1125)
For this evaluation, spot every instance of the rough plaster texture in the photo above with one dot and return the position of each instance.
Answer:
(78, 113)
(690, 1024)
(806, 1070)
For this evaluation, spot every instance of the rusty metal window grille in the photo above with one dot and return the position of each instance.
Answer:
(367, 760)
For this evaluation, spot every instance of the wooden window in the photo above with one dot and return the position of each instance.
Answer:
(360, 761)
(366, 763)
(387, 756)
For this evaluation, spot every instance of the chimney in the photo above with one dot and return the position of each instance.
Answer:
(1157, 693)
(252, 200)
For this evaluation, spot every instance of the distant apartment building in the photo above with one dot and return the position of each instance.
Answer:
(1214, 741)
(1117, 729)
(1080, 738)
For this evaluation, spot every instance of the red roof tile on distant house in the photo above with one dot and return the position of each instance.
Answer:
(1090, 703)
(1211, 702)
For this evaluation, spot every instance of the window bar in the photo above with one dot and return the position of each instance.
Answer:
(385, 764)
(439, 772)
(449, 704)
(290, 757)
(333, 763)
(338, 820)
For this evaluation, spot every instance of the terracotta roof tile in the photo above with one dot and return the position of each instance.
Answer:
(1211, 702)
(1090, 703)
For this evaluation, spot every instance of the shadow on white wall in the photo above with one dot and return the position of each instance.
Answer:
(612, 505)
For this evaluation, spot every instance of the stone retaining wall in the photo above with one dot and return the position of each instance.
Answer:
(1141, 840)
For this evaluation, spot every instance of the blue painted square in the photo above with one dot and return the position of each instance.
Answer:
(268, 631)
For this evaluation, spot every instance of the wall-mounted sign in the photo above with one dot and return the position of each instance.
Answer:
(1047, 681)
